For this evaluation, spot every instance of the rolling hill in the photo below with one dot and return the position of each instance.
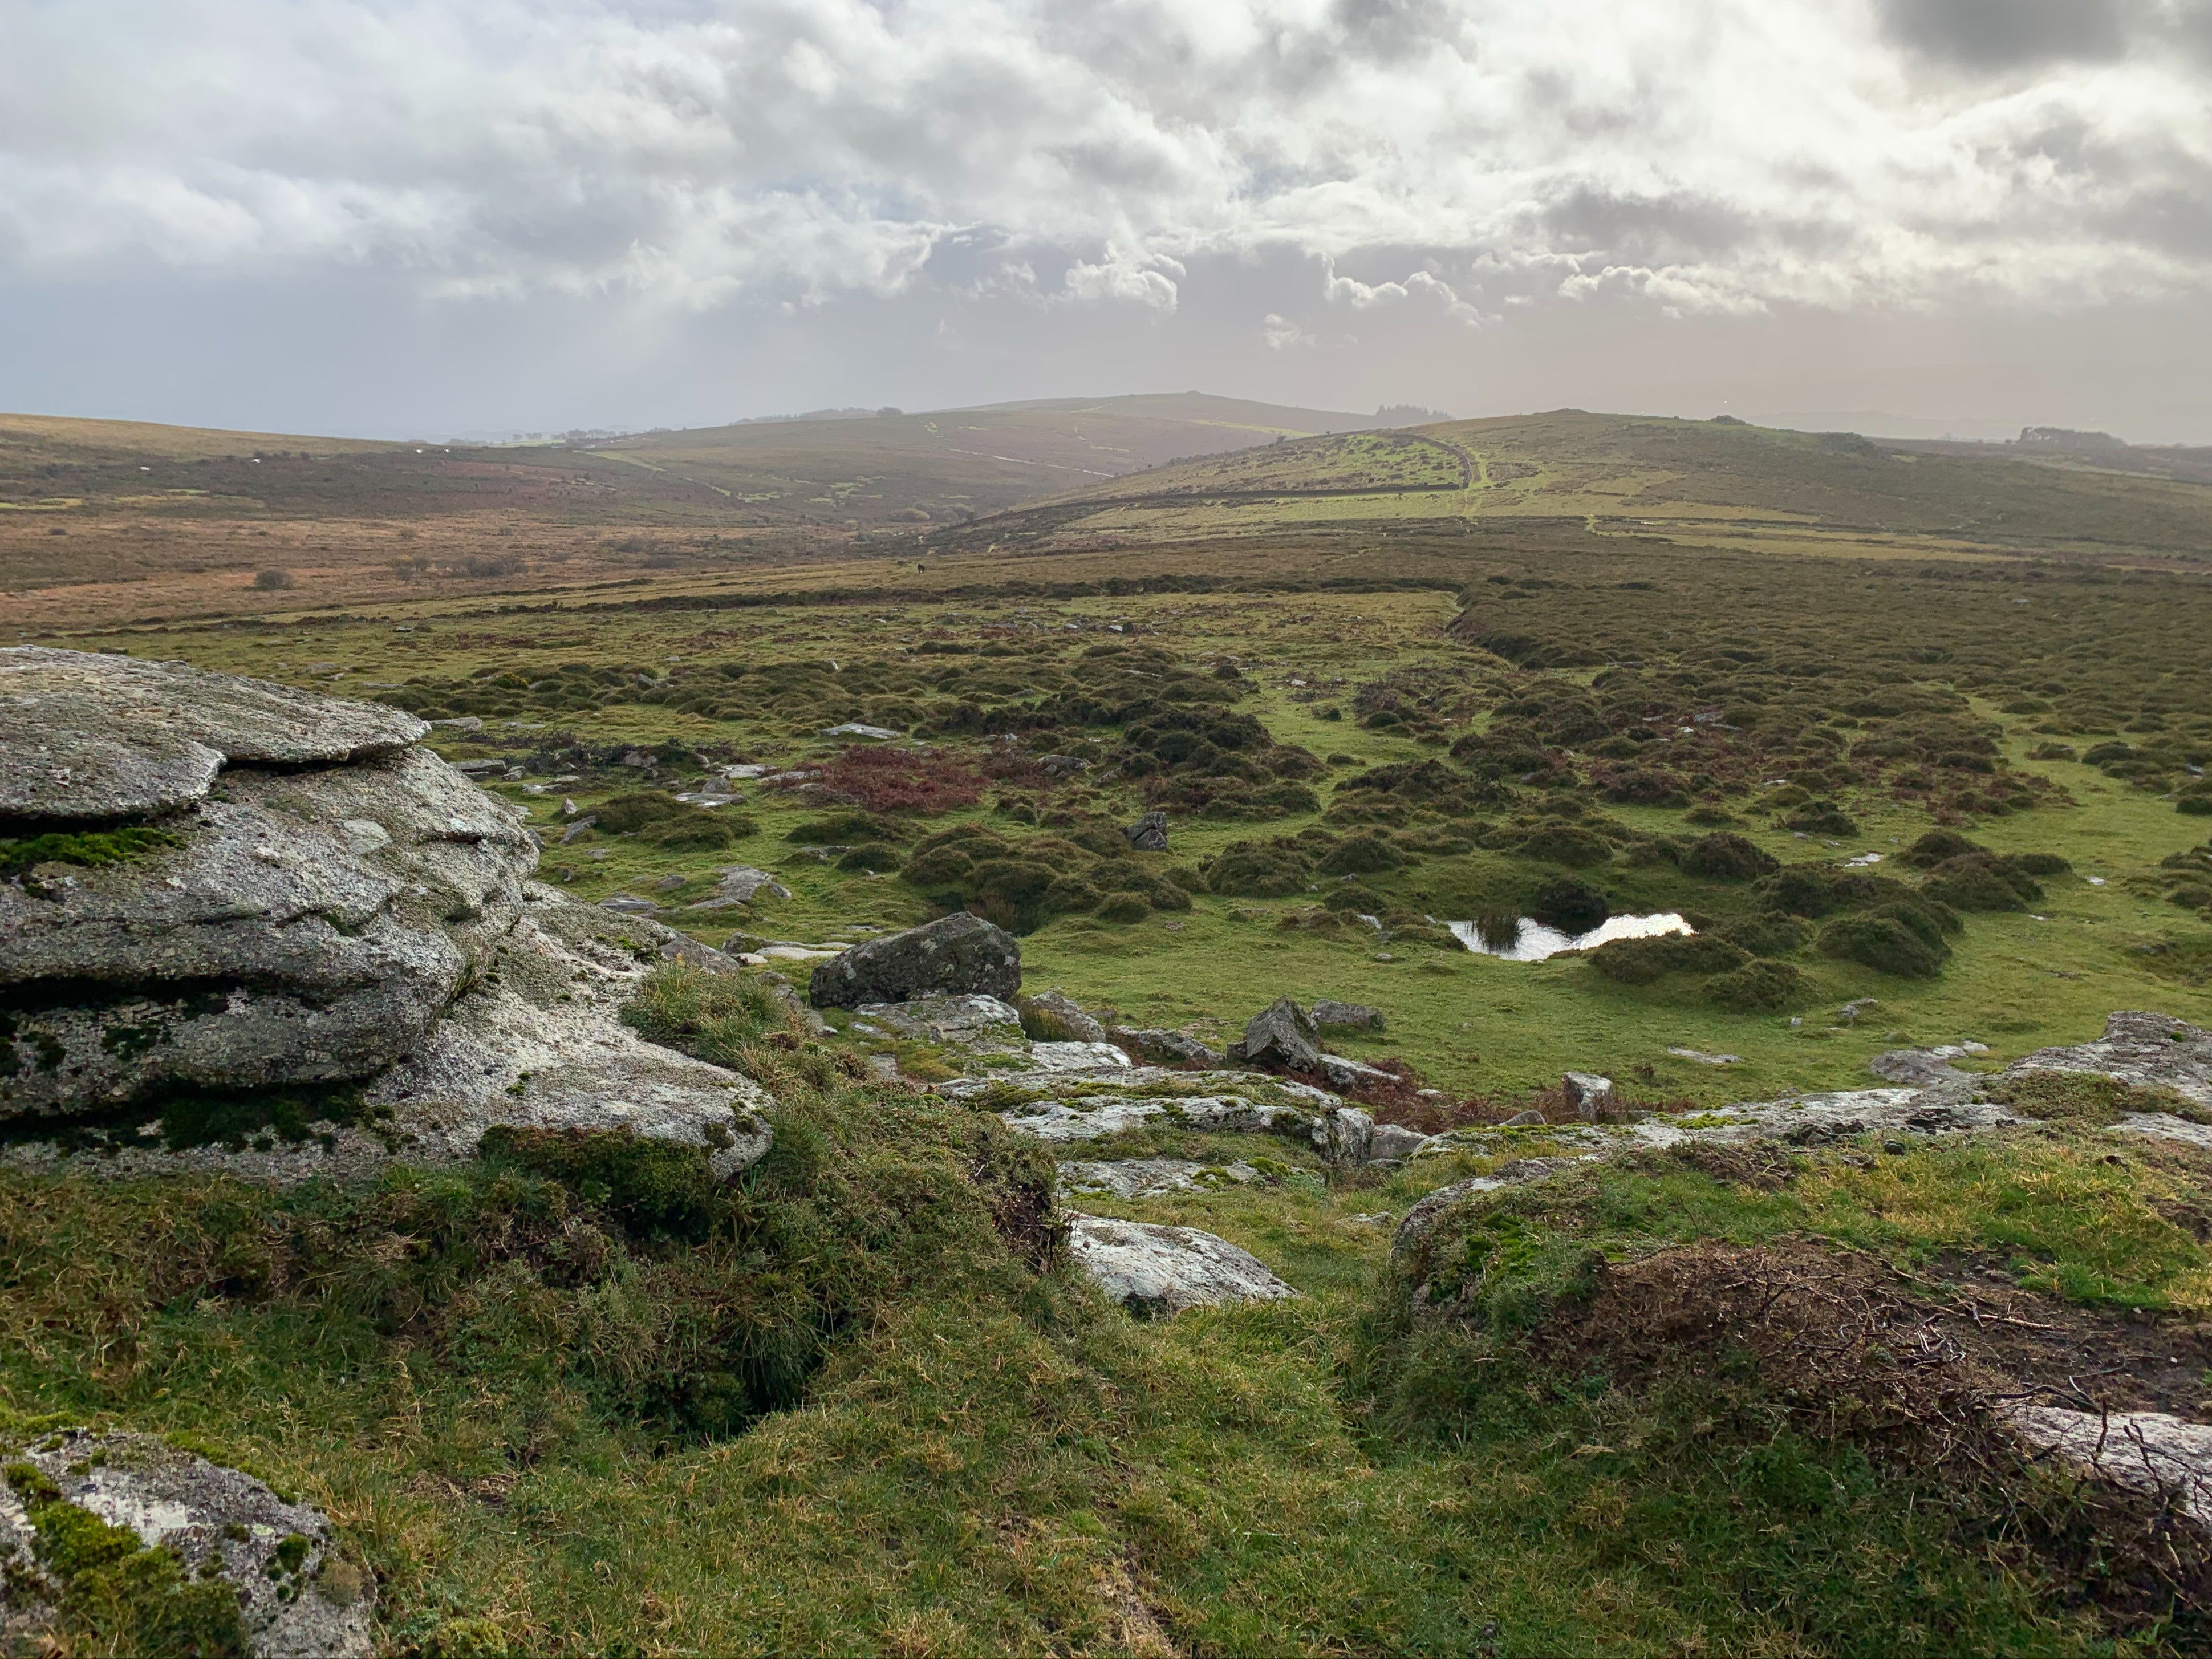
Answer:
(1719, 480)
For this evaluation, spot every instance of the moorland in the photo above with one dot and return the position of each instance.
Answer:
(1912, 738)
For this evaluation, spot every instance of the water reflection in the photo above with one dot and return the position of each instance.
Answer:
(1523, 939)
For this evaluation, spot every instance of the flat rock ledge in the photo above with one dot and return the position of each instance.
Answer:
(1156, 1271)
(297, 1594)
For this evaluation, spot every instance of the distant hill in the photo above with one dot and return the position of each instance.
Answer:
(866, 470)
(1715, 479)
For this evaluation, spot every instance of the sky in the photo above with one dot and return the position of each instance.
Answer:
(428, 218)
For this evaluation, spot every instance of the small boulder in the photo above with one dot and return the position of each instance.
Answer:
(1343, 1074)
(1394, 1143)
(1589, 1093)
(1528, 1120)
(1056, 1016)
(1149, 834)
(960, 955)
(1156, 1271)
(1346, 1016)
(1281, 1034)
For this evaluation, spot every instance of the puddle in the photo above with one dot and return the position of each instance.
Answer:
(1531, 941)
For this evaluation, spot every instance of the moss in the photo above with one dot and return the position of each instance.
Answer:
(118, 1596)
(92, 848)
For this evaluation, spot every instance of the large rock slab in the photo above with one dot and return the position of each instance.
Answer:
(979, 1024)
(1151, 1177)
(1154, 1271)
(2150, 1050)
(308, 928)
(262, 1572)
(955, 956)
(86, 736)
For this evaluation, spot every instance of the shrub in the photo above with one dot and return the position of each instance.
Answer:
(274, 582)
(1572, 907)
(1724, 857)
(1821, 817)
(1758, 986)
(844, 829)
(1361, 855)
(1565, 843)
(1123, 907)
(1770, 934)
(1980, 884)
(879, 856)
(1352, 897)
(1885, 943)
(1938, 846)
(1259, 869)
(896, 780)
(701, 831)
(1642, 961)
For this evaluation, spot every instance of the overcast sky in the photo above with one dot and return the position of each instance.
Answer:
(382, 217)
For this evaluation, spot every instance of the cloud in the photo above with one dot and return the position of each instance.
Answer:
(1701, 155)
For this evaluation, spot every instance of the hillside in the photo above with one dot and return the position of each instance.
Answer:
(1708, 480)
(122, 520)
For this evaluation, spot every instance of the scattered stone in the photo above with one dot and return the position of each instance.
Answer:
(1149, 834)
(1590, 1093)
(1166, 1047)
(1329, 1016)
(1703, 1059)
(630, 905)
(2147, 1452)
(263, 1574)
(1280, 1034)
(1526, 1120)
(743, 884)
(960, 955)
(1394, 1143)
(1923, 1066)
(578, 828)
(1343, 1073)
(1062, 766)
(854, 729)
(1155, 1272)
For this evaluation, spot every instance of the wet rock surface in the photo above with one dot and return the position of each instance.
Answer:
(957, 955)
(1156, 1271)
(243, 1566)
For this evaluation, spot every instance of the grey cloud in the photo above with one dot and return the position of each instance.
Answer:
(2001, 34)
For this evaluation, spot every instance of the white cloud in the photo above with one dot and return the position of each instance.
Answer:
(1716, 155)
